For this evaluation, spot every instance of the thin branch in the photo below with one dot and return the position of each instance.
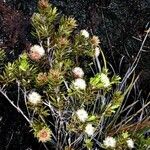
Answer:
(17, 107)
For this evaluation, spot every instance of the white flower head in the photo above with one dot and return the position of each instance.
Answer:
(39, 49)
(89, 129)
(79, 84)
(78, 72)
(82, 115)
(34, 98)
(97, 51)
(105, 80)
(36, 52)
(130, 143)
(85, 33)
(109, 142)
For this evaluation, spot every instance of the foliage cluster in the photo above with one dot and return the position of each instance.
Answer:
(72, 96)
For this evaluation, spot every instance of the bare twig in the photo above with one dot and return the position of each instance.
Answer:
(16, 107)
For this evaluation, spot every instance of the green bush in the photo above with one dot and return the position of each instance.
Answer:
(72, 97)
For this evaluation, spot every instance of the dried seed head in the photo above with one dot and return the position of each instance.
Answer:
(42, 78)
(95, 40)
(63, 41)
(42, 4)
(44, 135)
(55, 75)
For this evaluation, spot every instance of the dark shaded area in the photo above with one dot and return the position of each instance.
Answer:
(14, 130)
(14, 30)
(120, 25)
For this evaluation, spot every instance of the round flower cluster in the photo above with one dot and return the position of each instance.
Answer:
(78, 72)
(79, 84)
(85, 33)
(42, 78)
(89, 129)
(130, 143)
(36, 52)
(34, 98)
(42, 4)
(105, 80)
(109, 142)
(82, 115)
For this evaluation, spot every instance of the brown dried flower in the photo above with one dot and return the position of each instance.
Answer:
(42, 78)
(63, 41)
(42, 4)
(95, 40)
(44, 135)
(55, 75)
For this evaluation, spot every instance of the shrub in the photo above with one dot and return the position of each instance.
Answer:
(72, 95)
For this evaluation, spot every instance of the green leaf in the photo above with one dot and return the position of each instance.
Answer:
(91, 118)
(88, 143)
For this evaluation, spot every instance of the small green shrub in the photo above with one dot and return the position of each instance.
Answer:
(72, 97)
